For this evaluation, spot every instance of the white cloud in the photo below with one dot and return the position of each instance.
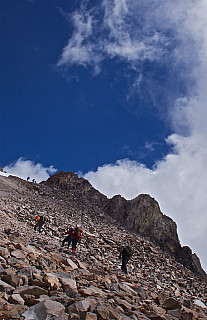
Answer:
(178, 183)
(26, 168)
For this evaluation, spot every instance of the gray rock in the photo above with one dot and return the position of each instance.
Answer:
(70, 287)
(16, 299)
(46, 310)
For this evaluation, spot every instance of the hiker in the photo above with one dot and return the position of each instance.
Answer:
(40, 221)
(68, 239)
(76, 237)
(125, 254)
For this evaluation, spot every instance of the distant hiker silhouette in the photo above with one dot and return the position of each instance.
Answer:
(125, 254)
(40, 221)
(69, 237)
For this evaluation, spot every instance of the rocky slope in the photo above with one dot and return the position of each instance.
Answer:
(41, 280)
(141, 215)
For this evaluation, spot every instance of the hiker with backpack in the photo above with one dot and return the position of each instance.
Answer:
(125, 254)
(76, 237)
(40, 221)
(69, 237)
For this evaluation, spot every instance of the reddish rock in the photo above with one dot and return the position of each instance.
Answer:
(5, 287)
(29, 299)
(31, 290)
(90, 316)
(11, 311)
(52, 281)
(171, 304)
(92, 291)
(11, 278)
(18, 254)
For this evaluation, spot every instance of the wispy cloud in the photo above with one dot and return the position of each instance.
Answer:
(110, 31)
(132, 33)
(150, 145)
(80, 50)
(26, 168)
(127, 43)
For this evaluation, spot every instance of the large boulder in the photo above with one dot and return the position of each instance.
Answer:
(45, 310)
(70, 287)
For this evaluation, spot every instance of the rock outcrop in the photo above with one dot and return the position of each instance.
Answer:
(41, 280)
(141, 215)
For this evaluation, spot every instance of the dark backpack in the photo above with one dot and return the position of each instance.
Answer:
(128, 251)
(42, 219)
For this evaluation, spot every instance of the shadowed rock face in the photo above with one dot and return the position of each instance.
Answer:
(141, 215)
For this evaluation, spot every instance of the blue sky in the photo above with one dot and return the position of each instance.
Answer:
(114, 90)
(68, 116)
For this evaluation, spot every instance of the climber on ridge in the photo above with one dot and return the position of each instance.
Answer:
(125, 254)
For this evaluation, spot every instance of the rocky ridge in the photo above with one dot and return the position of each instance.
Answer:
(41, 280)
(141, 215)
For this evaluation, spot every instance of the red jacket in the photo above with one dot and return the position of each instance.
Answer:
(70, 232)
(77, 233)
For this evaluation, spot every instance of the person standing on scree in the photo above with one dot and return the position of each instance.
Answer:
(76, 237)
(125, 254)
(40, 221)
(69, 237)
